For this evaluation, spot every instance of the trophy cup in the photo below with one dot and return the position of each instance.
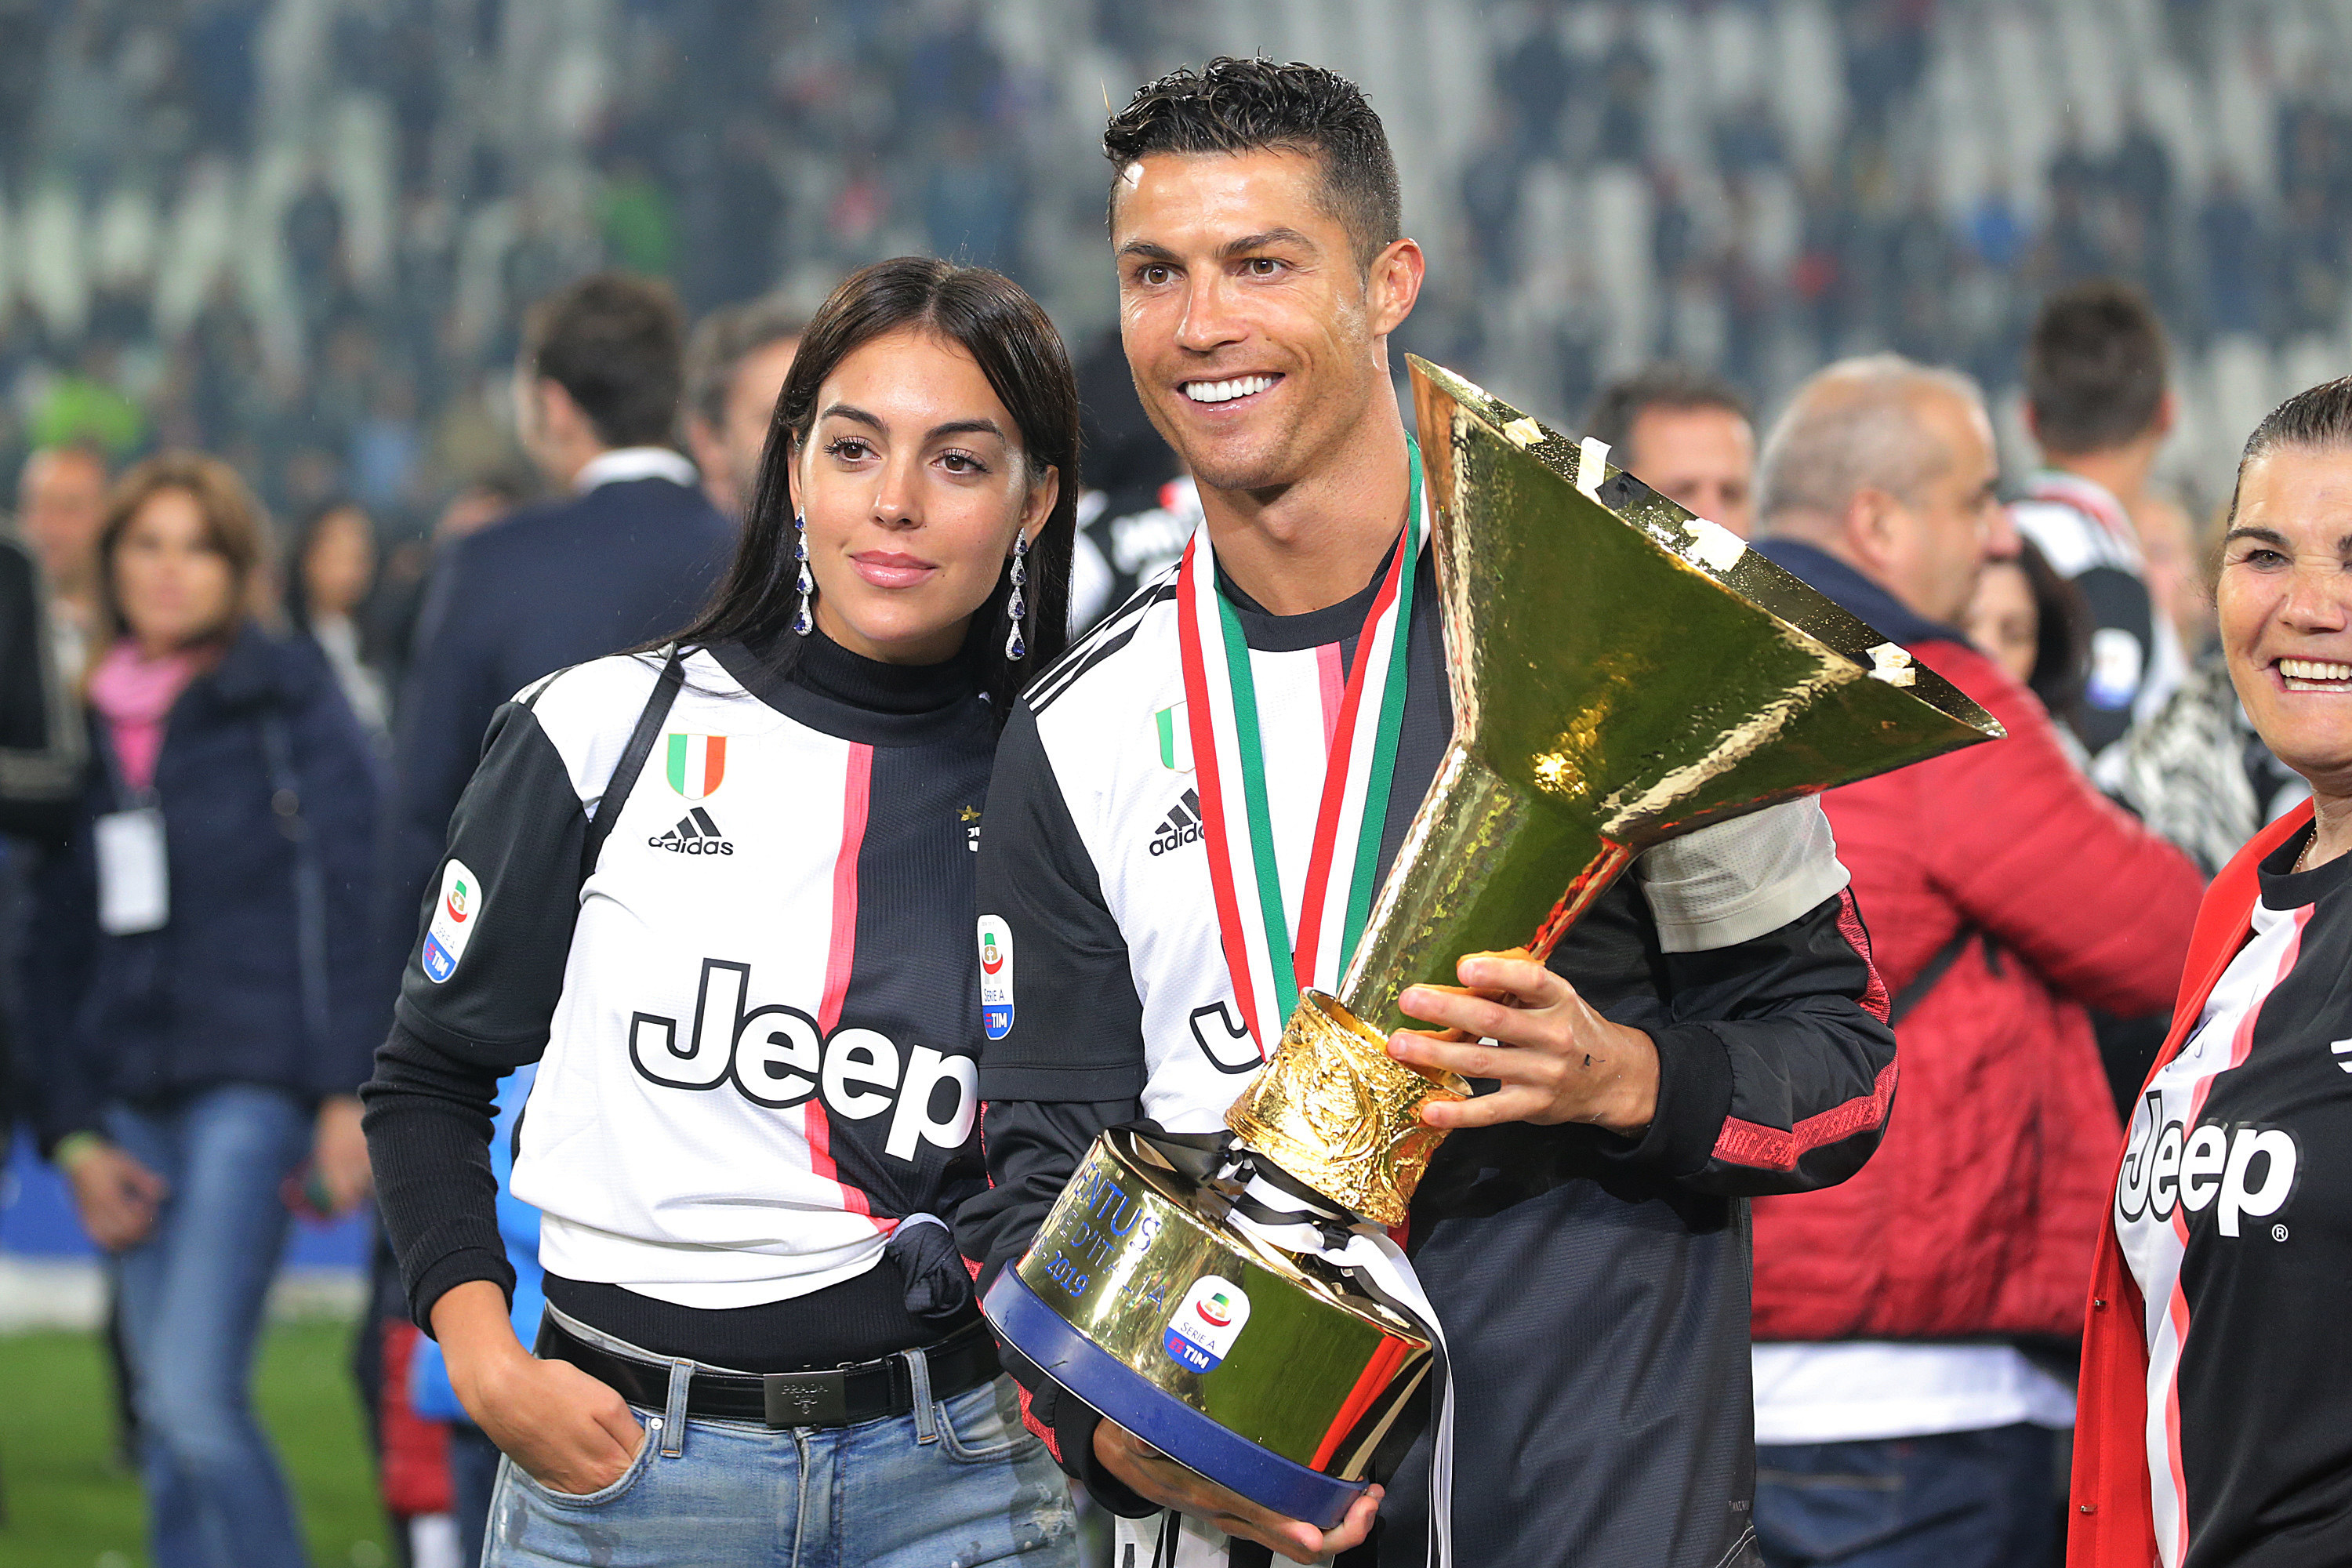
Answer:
(1621, 673)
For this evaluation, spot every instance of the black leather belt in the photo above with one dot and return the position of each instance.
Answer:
(844, 1396)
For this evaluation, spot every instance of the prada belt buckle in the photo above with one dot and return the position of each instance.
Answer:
(806, 1399)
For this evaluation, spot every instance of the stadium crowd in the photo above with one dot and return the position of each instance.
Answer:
(529, 276)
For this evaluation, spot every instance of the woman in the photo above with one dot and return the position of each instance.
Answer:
(2211, 1428)
(195, 977)
(2030, 621)
(334, 567)
(723, 895)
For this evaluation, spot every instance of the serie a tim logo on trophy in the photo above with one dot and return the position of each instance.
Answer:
(1621, 672)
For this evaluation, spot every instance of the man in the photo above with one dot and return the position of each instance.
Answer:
(1684, 432)
(2097, 404)
(735, 365)
(628, 553)
(1582, 1238)
(60, 506)
(1898, 1421)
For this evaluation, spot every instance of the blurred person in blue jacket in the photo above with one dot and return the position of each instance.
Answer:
(473, 1457)
(193, 981)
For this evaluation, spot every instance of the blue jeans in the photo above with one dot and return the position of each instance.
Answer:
(192, 1299)
(1957, 1499)
(957, 1482)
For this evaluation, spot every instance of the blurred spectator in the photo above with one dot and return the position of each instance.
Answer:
(735, 367)
(333, 568)
(1684, 432)
(2175, 568)
(2030, 621)
(1137, 511)
(194, 984)
(2098, 404)
(629, 552)
(1897, 1420)
(60, 506)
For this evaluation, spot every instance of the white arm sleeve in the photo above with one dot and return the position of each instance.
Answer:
(1734, 880)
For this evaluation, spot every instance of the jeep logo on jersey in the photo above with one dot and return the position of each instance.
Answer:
(995, 976)
(697, 763)
(452, 922)
(2240, 1172)
(774, 1057)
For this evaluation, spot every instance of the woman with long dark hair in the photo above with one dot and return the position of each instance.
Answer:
(721, 892)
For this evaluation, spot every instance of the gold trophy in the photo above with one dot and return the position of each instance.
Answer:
(1621, 671)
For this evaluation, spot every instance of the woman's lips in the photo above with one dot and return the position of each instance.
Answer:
(886, 569)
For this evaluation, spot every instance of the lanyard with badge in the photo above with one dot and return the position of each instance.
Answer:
(134, 884)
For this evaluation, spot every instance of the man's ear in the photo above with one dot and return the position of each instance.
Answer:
(1872, 527)
(2166, 410)
(1393, 284)
(558, 417)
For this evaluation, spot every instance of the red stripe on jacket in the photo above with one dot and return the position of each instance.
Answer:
(2112, 1514)
(1769, 1148)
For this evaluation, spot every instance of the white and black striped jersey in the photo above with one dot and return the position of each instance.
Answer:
(1579, 1275)
(2234, 1213)
(2136, 662)
(755, 1016)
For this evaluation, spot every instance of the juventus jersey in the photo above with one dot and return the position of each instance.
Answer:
(1593, 1289)
(2234, 1212)
(2135, 658)
(756, 1016)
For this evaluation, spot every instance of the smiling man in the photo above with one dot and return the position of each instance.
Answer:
(1712, 1029)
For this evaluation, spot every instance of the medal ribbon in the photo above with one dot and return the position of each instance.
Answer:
(1221, 706)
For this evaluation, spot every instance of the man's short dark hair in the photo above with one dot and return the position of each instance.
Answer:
(2095, 367)
(1251, 106)
(722, 341)
(612, 341)
(1664, 384)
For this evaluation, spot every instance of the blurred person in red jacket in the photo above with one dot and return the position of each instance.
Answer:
(2214, 1362)
(1899, 1419)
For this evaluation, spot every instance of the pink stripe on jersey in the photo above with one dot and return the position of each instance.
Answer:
(1332, 675)
(2164, 1361)
(841, 956)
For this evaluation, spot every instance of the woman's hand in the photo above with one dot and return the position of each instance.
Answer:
(117, 1196)
(1153, 1475)
(339, 1154)
(1557, 1060)
(570, 1432)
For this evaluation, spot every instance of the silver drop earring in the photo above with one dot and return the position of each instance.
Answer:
(804, 622)
(1015, 648)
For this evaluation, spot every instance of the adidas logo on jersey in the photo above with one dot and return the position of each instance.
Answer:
(1181, 826)
(694, 834)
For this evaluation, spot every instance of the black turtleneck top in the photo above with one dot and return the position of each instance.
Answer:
(895, 845)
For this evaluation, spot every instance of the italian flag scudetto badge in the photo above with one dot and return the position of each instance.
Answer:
(697, 763)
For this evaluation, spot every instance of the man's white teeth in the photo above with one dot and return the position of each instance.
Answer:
(1226, 391)
(2313, 670)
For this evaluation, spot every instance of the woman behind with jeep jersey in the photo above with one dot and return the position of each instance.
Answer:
(2211, 1428)
(721, 892)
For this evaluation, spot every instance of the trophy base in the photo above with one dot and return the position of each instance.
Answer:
(1119, 1394)
(1272, 1375)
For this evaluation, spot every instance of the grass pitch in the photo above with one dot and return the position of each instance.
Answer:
(69, 1505)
